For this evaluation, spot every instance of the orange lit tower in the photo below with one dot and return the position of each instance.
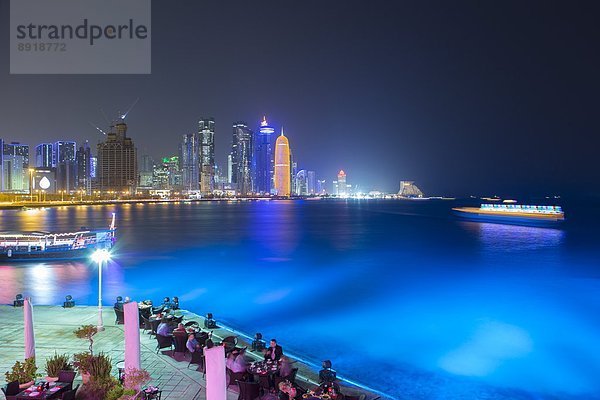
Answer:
(282, 166)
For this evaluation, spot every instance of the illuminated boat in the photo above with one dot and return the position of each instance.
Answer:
(515, 214)
(23, 246)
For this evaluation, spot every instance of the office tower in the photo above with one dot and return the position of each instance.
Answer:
(160, 177)
(282, 175)
(301, 185)
(311, 187)
(206, 130)
(117, 160)
(146, 172)
(63, 159)
(93, 167)
(263, 158)
(321, 189)
(241, 158)
(342, 188)
(229, 168)
(83, 160)
(189, 157)
(173, 170)
(15, 174)
(43, 155)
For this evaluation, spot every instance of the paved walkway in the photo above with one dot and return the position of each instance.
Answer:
(54, 328)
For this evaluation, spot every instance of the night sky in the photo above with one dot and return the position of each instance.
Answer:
(462, 97)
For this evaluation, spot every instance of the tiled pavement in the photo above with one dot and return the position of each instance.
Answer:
(54, 328)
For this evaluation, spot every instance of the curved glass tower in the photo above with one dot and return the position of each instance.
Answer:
(282, 166)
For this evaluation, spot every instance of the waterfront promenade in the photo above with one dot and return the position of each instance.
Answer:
(54, 328)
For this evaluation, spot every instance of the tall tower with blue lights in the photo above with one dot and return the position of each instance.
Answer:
(264, 158)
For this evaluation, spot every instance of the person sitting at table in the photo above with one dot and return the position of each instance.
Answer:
(164, 328)
(119, 304)
(239, 363)
(192, 344)
(179, 330)
(167, 303)
(175, 303)
(274, 352)
(285, 369)
(327, 374)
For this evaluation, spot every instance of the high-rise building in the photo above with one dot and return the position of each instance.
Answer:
(15, 174)
(206, 130)
(301, 185)
(342, 188)
(146, 172)
(43, 155)
(189, 157)
(321, 189)
(93, 167)
(311, 182)
(282, 176)
(63, 159)
(241, 158)
(229, 168)
(117, 160)
(83, 160)
(172, 166)
(263, 158)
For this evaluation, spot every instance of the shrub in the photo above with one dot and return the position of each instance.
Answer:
(100, 366)
(57, 363)
(22, 371)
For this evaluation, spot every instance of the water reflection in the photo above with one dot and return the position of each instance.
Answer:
(513, 238)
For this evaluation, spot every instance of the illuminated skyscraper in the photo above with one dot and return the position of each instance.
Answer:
(63, 160)
(282, 166)
(311, 182)
(206, 130)
(263, 158)
(43, 155)
(117, 160)
(241, 158)
(14, 163)
(83, 160)
(189, 157)
(341, 182)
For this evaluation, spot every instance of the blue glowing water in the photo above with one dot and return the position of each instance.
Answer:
(399, 295)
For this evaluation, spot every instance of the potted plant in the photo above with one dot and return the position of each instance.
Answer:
(55, 364)
(87, 332)
(24, 372)
(82, 362)
(100, 381)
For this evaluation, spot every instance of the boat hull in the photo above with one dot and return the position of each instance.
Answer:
(523, 220)
(51, 254)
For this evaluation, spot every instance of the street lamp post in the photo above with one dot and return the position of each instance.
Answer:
(100, 256)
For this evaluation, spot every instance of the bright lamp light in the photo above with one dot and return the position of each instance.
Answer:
(102, 255)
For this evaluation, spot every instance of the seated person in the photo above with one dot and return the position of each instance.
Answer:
(175, 303)
(119, 304)
(164, 328)
(285, 369)
(167, 303)
(274, 352)
(192, 344)
(180, 330)
(327, 374)
(239, 363)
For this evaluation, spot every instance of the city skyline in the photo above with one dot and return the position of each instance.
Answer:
(446, 94)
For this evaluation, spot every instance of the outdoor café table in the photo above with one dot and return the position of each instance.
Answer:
(263, 367)
(53, 393)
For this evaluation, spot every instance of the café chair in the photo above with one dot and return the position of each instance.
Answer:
(198, 359)
(70, 394)
(180, 341)
(163, 342)
(67, 377)
(120, 316)
(11, 391)
(248, 390)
